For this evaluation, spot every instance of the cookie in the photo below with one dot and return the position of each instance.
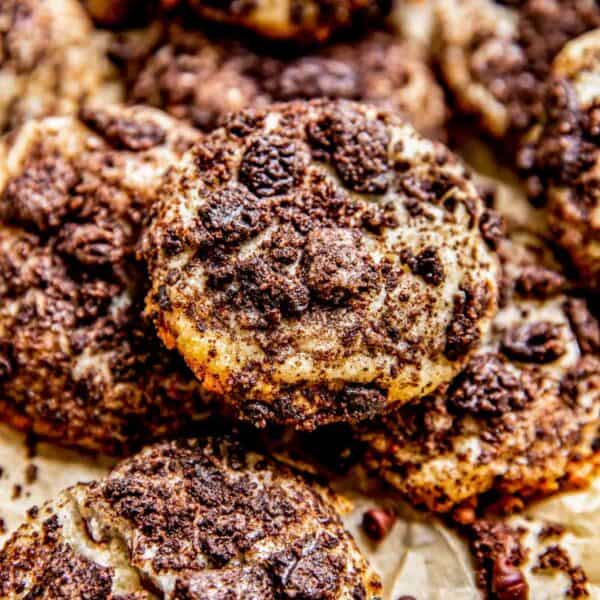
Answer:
(561, 156)
(522, 418)
(495, 57)
(200, 79)
(316, 262)
(195, 519)
(308, 21)
(120, 13)
(78, 363)
(51, 60)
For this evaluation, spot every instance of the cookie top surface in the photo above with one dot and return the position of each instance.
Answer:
(308, 21)
(561, 156)
(51, 60)
(77, 361)
(196, 519)
(202, 78)
(315, 262)
(496, 57)
(523, 416)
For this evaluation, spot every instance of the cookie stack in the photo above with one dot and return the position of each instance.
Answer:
(240, 227)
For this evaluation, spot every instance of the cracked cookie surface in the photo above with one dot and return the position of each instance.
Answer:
(318, 262)
(78, 363)
(193, 519)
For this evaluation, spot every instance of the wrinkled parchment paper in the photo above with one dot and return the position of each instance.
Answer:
(419, 557)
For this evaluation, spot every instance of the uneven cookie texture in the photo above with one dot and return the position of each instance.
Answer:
(201, 79)
(307, 21)
(496, 56)
(522, 418)
(561, 156)
(201, 519)
(51, 60)
(318, 262)
(78, 363)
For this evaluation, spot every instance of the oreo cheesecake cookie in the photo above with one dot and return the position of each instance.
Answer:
(201, 78)
(51, 61)
(198, 519)
(316, 262)
(307, 21)
(496, 56)
(561, 157)
(78, 363)
(522, 418)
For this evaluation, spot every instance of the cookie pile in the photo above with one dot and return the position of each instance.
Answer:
(232, 227)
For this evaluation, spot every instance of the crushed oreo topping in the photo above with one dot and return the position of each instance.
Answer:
(539, 342)
(78, 362)
(294, 247)
(200, 518)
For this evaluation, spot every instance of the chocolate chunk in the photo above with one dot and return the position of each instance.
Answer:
(493, 228)
(535, 281)
(361, 402)
(358, 147)
(41, 196)
(378, 522)
(498, 555)
(539, 342)
(487, 387)
(270, 291)
(93, 244)
(271, 166)
(426, 264)
(508, 582)
(231, 216)
(315, 77)
(585, 326)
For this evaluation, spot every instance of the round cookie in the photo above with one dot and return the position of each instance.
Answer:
(522, 418)
(51, 60)
(78, 363)
(307, 21)
(201, 79)
(495, 57)
(319, 261)
(561, 157)
(196, 519)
